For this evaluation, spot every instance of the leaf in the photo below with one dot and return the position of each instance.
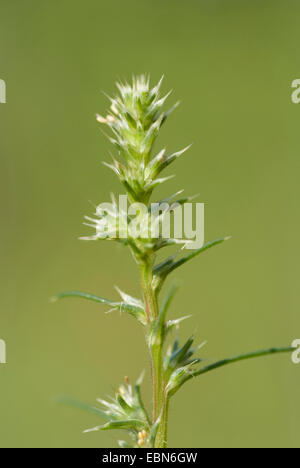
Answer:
(165, 266)
(123, 403)
(154, 430)
(156, 161)
(190, 256)
(134, 424)
(151, 185)
(180, 354)
(137, 311)
(166, 114)
(161, 243)
(170, 198)
(137, 388)
(174, 323)
(112, 167)
(158, 330)
(167, 302)
(162, 270)
(185, 376)
(163, 163)
(131, 192)
(130, 300)
(82, 405)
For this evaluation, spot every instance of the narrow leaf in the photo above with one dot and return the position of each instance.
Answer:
(156, 182)
(166, 304)
(193, 254)
(128, 424)
(137, 312)
(82, 405)
(130, 299)
(180, 354)
(154, 430)
(139, 397)
(168, 160)
(176, 322)
(170, 264)
(231, 360)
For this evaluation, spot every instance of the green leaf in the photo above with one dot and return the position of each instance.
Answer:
(129, 300)
(156, 182)
(82, 405)
(137, 388)
(161, 162)
(181, 354)
(172, 157)
(153, 431)
(162, 270)
(224, 362)
(175, 322)
(166, 114)
(123, 403)
(136, 311)
(166, 304)
(128, 424)
(158, 329)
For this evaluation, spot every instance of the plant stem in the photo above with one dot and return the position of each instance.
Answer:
(155, 351)
(156, 363)
(162, 435)
(149, 294)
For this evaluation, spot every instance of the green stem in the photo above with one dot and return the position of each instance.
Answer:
(162, 435)
(156, 362)
(149, 294)
(151, 305)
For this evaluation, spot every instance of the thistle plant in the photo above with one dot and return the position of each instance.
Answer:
(134, 119)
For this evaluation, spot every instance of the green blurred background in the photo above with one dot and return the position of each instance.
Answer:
(231, 63)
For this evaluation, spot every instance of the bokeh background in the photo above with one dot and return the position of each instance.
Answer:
(231, 63)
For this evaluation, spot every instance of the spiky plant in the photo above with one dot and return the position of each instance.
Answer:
(135, 118)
